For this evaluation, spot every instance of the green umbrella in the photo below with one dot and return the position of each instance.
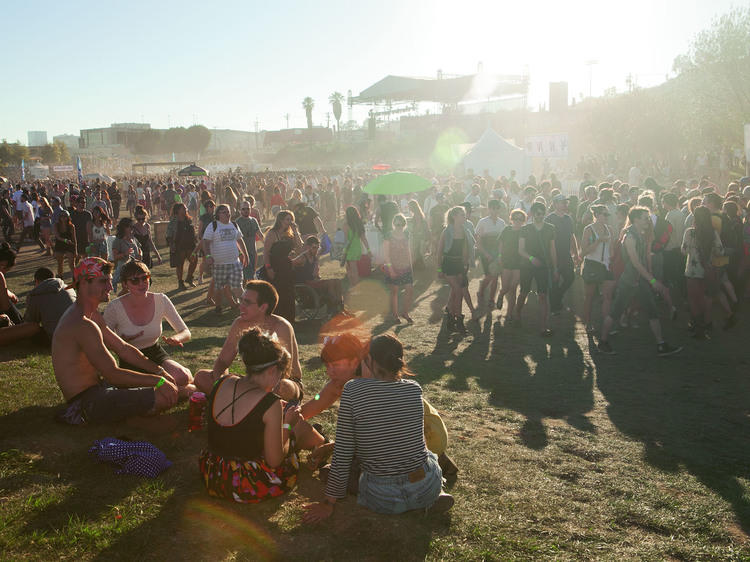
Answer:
(397, 183)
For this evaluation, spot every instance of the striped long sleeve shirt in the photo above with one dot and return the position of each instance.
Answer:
(382, 424)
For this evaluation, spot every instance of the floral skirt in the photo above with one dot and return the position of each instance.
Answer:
(247, 481)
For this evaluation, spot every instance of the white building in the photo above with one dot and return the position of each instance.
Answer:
(37, 138)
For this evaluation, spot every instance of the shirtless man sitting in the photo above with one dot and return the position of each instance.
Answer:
(96, 389)
(256, 309)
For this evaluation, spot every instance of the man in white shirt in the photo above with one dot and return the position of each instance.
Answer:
(223, 245)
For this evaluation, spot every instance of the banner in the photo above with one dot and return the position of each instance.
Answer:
(62, 168)
(23, 171)
(80, 172)
(547, 146)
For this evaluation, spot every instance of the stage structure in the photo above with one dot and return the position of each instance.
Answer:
(395, 95)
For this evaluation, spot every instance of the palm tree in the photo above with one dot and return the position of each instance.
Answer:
(308, 103)
(336, 98)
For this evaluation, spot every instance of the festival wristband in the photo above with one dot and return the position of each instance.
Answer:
(653, 281)
(286, 426)
(162, 380)
(531, 259)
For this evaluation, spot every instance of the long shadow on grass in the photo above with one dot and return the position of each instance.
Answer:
(690, 411)
(79, 488)
(538, 378)
(193, 526)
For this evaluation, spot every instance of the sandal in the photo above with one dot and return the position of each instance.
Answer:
(408, 318)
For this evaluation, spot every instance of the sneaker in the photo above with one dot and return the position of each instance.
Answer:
(604, 347)
(664, 349)
(181, 286)
(547, 333)
(442, 504)
(190, 282)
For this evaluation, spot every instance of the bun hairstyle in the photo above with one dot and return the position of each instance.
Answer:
(388, 354)
(259, 350)
(342, 346)
(8, 255)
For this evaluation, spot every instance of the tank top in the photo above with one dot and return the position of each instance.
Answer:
(400, 254)
(602, 253)
(98, 233)
(244, 439)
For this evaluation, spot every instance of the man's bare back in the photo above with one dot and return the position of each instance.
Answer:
(73, 371)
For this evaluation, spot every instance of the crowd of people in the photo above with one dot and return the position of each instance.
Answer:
(663, 253)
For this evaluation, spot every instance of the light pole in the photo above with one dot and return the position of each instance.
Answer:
(590, 63)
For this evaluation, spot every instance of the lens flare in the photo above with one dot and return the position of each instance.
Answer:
(448, 150)
(229, 527)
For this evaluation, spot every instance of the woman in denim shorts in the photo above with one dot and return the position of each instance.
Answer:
(380, 424)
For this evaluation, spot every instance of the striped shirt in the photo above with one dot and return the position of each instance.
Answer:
(381, 423)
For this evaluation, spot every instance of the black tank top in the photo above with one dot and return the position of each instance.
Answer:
(243, 440)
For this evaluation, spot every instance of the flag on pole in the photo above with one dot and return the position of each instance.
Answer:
(23, 171)
(80, 173)
(173, 160)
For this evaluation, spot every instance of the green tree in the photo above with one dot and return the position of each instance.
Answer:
(61, 152)
(336, 98)
(12, 154)
(714, 76)
(308, 104)
(48, 154)
(148, 142)
(197, 138)
(175, 140)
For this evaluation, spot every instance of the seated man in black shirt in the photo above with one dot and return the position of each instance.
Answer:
(307, 271)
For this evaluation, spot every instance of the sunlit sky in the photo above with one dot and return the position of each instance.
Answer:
(82, 64)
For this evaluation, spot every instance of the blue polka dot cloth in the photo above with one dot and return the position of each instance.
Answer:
(140, 458)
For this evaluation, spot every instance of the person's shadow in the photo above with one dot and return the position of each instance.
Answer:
(690, 410)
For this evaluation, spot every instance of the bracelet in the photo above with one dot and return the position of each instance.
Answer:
(531, 259)
(440, 269)
(286, 426)
(653, 281)
(162, 380)
(209, 256)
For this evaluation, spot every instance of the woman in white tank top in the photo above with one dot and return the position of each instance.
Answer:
(595, 247)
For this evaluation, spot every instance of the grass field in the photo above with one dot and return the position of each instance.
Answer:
(564, 454)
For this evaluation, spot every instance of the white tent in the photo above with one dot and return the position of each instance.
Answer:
(492, 152)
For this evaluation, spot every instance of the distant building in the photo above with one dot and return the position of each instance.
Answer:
(232, 140)
(117, 134)
(71, 141)
(37, 138)
(296, 136)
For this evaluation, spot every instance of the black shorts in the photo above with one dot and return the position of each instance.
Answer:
(102, 403)
(595, 272)
(643, 294)
(674, 267)
(155, 352)
(541, 274)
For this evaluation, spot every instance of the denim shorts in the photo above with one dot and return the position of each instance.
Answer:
(396, 494)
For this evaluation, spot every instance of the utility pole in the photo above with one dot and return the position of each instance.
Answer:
(287, 120)
(328, 120)
(590, 63)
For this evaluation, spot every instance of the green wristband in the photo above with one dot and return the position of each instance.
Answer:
(531, 259)
(286, 426)
(162, 380)
(653, 281)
